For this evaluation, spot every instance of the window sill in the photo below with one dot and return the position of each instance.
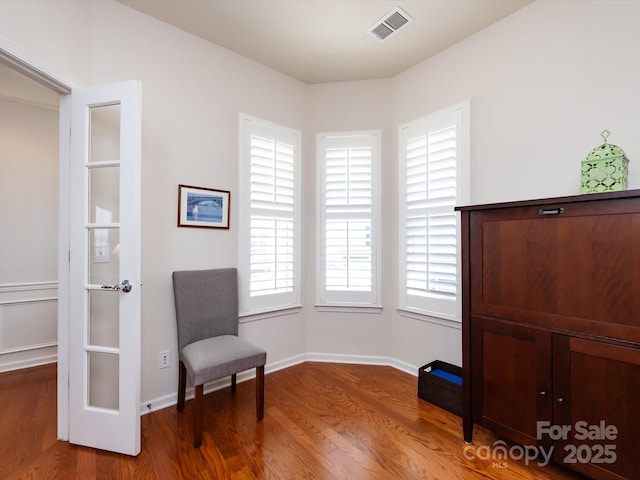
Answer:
(427, 317)
(348, 308)
(278, 312)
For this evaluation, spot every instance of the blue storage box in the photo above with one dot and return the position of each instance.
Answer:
(440, 383)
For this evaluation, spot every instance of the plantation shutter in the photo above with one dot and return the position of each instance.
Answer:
(270, 237)
(348, 219)
(431, 154)
(271, 256)
(431, 224)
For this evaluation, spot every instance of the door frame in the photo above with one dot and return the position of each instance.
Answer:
(34, 68)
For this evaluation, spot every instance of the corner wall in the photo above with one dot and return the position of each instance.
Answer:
(543, 83)
(347, 107)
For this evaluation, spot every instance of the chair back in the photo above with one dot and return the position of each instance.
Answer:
(206, 304)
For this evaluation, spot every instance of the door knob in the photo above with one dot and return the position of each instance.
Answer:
(125, 286)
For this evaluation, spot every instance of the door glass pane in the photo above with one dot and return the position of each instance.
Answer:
(104, 136)
(104, 195)
(104, 256)
(103, 381)
(104, 318)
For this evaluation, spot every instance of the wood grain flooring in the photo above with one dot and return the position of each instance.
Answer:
(322, 421)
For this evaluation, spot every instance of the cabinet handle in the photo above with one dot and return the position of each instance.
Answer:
(561, 400)
(551, 211)
(543, 393)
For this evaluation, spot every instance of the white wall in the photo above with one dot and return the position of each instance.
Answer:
(543, 83)
(28, 193)
(192, 95)
(28, 243)
(343, 107)
(57, 32)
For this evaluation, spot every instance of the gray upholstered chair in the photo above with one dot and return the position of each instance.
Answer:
(208, 345)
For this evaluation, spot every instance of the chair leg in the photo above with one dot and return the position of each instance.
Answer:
(182, 385)
(198, 417)
(233, 383)
(260, 392)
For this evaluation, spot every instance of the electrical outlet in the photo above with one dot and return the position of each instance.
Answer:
(164, 359)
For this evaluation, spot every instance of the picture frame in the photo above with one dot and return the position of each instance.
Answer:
(202, 207)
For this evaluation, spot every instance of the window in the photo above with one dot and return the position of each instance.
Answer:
(433, 180)
(269, 216)
(348, 213)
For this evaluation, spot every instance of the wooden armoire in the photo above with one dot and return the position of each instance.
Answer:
(551, 327)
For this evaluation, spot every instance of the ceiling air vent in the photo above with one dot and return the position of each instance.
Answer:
(390, 24)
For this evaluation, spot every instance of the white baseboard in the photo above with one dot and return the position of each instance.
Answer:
(28, 362)
(172, 398)
(364, 360)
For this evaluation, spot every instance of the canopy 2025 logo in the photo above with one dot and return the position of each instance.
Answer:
(575, 452)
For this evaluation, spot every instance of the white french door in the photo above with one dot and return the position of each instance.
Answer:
(104, 268)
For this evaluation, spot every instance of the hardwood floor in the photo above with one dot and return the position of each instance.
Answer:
(322, 421)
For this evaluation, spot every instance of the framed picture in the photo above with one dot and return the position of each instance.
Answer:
(203, 207)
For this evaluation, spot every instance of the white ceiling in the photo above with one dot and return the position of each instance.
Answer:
(314, 41)
(317, 41)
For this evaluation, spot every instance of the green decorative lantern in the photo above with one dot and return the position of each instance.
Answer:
(605, 169)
